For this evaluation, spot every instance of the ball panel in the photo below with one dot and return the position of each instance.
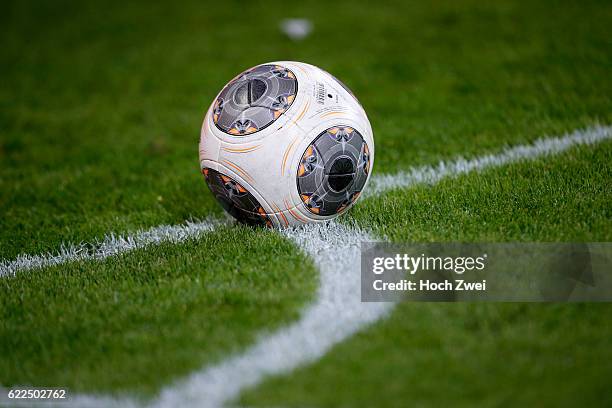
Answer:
(254, 99)
(209, 145)
(329, 102)
(265, 162)
(333, 170)
(235, 199)
(244, 206)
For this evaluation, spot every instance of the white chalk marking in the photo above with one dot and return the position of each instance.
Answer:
(336, 314)
(110, 245)
(459, 166)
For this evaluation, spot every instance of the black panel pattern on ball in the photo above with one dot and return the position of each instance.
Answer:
(333, 170)
(254, 99)
(235, 199)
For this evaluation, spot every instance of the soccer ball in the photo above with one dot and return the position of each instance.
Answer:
(286, 143)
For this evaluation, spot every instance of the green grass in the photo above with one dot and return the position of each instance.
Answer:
(565, 198)
(101, 106)
(458, 354)
(141, 320)
(100, 111)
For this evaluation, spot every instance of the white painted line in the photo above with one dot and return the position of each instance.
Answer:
(110, 245)
(337, 312)
(540, 148)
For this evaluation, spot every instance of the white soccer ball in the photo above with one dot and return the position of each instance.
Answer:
(286, 143)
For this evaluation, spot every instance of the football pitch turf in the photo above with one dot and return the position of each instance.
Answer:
(100, 110)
